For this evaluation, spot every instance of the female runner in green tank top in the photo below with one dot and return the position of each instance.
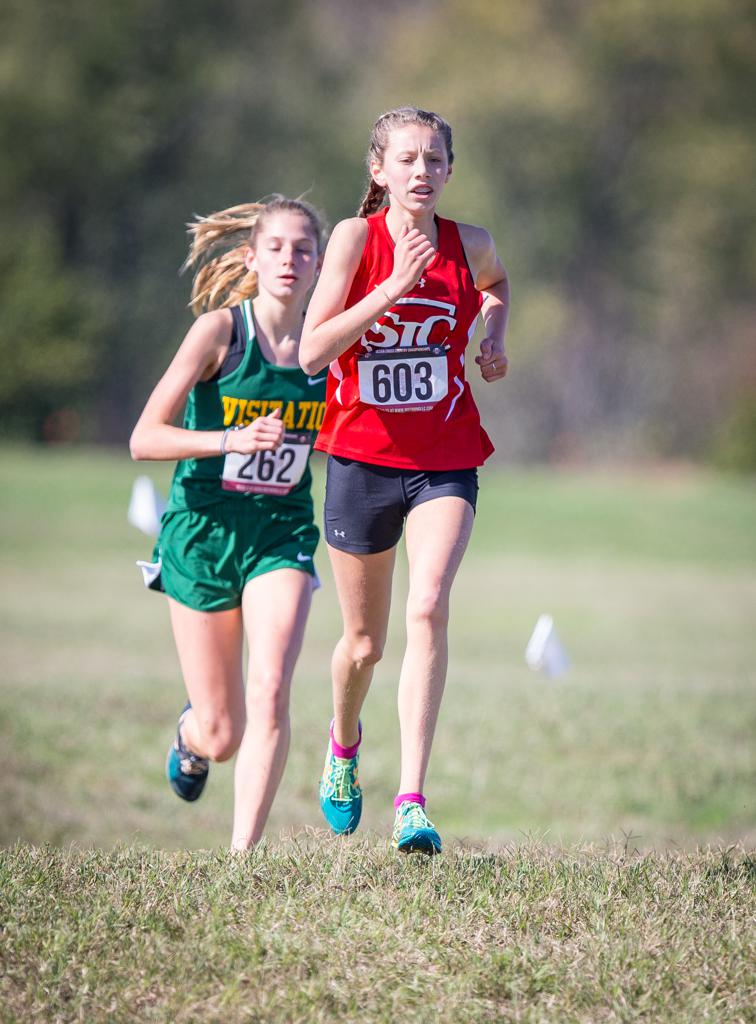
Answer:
(236, 545)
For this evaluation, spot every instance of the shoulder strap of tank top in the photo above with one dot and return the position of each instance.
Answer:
(376, 223)
(450, 238)
(237, 346)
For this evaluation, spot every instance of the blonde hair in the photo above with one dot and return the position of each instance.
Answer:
(379, 140)
(219, 244)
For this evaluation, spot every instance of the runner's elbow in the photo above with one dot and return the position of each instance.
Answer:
(138, 448)
(309, 361)
(307, 365)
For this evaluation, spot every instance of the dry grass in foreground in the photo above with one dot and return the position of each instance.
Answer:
(320, 930)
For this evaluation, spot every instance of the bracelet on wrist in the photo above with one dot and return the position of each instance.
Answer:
(391, 301)
(224, 439)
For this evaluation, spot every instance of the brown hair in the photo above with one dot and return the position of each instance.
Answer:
(218, 248)
(379, 140)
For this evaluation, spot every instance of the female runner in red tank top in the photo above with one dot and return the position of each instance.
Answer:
(395, 308)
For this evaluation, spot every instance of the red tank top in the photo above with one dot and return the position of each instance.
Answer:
(398, 396)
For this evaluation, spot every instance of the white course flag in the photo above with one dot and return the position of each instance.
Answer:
(146, 506)
(544, 652)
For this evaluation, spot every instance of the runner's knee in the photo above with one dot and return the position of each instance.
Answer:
(221, 737)
(268, 699)
(363, 650)
(428, 607)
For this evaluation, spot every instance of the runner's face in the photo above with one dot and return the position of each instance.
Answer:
(285, 256)
(415, 167)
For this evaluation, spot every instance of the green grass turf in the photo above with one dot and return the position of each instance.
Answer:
(651, 580)
(325, 930)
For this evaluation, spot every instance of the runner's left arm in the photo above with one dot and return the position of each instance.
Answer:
(491, 279)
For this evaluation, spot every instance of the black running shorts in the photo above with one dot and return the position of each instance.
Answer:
(366, 505)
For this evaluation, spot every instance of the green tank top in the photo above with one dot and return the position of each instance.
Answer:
(275, 484)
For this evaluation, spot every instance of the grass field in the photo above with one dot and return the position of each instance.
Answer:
(652, 584)
(574, 811)
(345, 932)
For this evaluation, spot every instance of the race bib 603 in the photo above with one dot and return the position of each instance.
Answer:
(403, 379)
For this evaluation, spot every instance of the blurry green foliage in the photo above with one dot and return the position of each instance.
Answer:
(610, 148)
(735, 447)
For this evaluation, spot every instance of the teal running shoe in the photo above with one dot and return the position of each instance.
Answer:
(413, 831)
(186, 772)
(340, 793)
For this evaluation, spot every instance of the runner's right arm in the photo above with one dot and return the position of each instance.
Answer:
(200, 355)
(329, 328)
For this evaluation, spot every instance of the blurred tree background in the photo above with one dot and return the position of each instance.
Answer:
(610, 148)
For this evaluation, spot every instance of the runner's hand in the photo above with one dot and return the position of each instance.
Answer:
(492, 360)
(262, 435)
(412, 254)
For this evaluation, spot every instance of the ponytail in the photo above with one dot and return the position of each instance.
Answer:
(218, 250)
(372, 200)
